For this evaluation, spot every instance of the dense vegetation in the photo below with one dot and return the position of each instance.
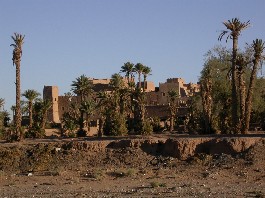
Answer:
(232, 96)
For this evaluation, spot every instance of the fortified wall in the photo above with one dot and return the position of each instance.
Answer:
(156, 96)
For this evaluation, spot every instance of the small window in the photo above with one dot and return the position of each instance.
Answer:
(54, 99)
(163, 94)
(63, 108)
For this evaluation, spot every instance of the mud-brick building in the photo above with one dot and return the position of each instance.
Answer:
(160, 95)
(157, 98)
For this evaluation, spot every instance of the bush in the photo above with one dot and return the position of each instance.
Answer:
(35, 132)
(156, 124)
(147, 128)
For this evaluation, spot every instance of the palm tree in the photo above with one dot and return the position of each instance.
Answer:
(146, 71)
(206, 95)
(17, 53)
(82, 87)
(241, 63)
(45, 106)
(31, 95)
(172, 103)
(258, 45)
(87, 107)
(235, 27)
(139, 67)
(2, 102)
(128, 69)
(103, 105)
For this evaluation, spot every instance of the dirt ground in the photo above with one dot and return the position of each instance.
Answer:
(134, 167)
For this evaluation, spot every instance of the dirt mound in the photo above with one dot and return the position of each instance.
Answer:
(137, 167)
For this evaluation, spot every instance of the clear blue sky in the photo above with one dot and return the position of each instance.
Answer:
(68, 38)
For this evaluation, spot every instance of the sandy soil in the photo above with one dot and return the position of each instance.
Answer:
(113, 167)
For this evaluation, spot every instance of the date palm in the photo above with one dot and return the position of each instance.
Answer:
(139, 67)
(173, 104)
(31, 95)
(258, 46)
(146, 71)
(45, 106)
(128, 69)
(234, 29)
(88, 107)
(83, 88)
(17, 53)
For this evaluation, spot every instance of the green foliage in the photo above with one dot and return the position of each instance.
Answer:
(156, 124)
(147, 128)
(115, 125)
(35, 132)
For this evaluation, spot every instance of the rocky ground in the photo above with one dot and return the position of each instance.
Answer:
(153, 166)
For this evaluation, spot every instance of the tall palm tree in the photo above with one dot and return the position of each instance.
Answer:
(17, 53)
(234, 28)
(128, 69)
(139, 67)
(258, 46)
(206, 95)
(241, 63)
(146, 71)
(31, 95)
(172, 103)
(82, 87)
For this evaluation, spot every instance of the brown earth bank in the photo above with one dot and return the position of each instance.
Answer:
(136, 166)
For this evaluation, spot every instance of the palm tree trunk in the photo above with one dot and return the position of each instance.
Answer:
(18, 119)
(44, 120)
(144, 83)
(234, 87)
(139, 80)
(30, 115)
(248, 105)
(172, 123)
(242, 89)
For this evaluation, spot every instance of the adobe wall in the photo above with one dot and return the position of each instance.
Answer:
(51, 93)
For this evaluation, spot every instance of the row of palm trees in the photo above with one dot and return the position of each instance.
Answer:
(116, 107)
(129, 69)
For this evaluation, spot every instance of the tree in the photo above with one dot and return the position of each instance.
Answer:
(235, 26)
(258, 46)
(173, 104)
(128, 69)
(139, 67)
(83, 88)
(45, 106)
(88, 107)
(215, 92)
(115, 113)
(146, 71)
(31, 95)
(17, 53)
